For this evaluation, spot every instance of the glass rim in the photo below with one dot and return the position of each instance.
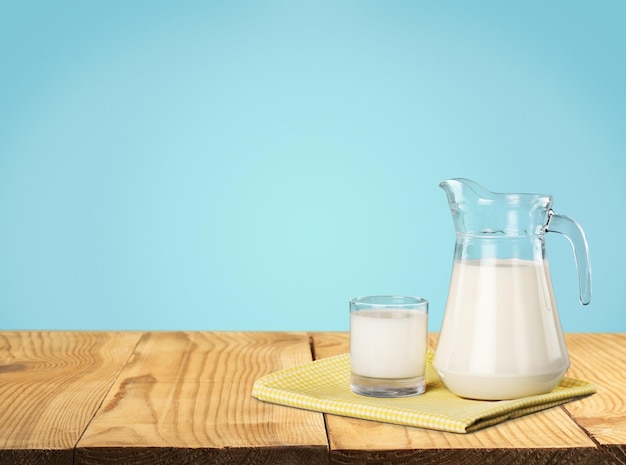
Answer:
(391, 300)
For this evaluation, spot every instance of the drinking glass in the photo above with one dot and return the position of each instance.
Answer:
(388, 343)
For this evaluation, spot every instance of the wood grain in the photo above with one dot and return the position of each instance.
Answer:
(601, 359)
(545, 437)
(185, 398)
(51, 384)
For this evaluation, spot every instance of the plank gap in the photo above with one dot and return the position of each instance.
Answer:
(312, 347)
(99, 406)
(581, 427)
(324, 415)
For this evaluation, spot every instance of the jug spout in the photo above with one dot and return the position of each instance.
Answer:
(466, 190)
(478, 210)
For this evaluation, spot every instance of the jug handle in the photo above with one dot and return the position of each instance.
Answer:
(574, 233)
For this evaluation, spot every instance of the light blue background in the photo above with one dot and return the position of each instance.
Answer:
(253, 165)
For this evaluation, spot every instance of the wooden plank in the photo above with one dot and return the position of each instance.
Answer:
(546, 437)
(601, 359)
(51, 384)
(185, 398)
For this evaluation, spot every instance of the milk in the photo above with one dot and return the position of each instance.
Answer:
(388, 344)
(501, 337)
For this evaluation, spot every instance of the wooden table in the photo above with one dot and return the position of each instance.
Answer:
(184, 398)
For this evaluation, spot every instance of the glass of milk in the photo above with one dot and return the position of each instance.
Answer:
(388, 342)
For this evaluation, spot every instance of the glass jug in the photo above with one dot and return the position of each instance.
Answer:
(501, 337)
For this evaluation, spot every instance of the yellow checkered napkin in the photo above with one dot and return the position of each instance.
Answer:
(324, 386)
